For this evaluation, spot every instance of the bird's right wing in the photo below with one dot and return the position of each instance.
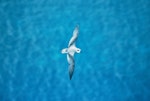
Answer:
(71, 64)
(74, 37)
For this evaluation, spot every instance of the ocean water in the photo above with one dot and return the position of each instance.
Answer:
(114, 36)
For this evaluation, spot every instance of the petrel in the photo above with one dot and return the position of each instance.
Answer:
(71, 50)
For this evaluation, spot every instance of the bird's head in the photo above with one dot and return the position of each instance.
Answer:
(78, 50)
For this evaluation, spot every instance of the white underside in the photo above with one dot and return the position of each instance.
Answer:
(72, 50)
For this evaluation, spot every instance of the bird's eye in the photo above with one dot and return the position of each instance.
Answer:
(78, 50)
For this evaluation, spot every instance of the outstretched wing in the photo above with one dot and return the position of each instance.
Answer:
(71, 64)
(74, 37)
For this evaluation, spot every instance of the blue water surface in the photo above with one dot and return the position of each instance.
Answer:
(114, 64)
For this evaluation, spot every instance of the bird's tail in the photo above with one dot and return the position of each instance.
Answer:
(65, 50)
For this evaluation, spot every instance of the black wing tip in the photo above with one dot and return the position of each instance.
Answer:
(70, 77)
(70, 74)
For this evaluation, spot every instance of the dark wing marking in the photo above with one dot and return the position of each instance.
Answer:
(71, 64)
(74, 37)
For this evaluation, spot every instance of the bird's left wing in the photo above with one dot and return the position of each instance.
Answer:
(74, 37)
(71, 64)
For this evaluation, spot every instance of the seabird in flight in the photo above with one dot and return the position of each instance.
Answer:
(71, 50)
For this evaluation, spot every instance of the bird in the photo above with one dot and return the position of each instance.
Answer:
(71, 50)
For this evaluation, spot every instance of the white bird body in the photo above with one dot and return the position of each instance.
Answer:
(71, 50)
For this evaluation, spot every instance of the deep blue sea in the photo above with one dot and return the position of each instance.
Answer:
(114, 37)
